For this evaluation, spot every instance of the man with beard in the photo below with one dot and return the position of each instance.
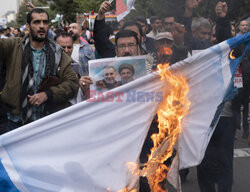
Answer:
(109, 81)
(39, 77)
(156, 24)
(127, 44)
(103, 45)
(164, 43)
(65, 40)
(126, 72)
(82, 53)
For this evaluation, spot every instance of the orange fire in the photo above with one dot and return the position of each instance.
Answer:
(165, 51)
(126, 189)
(170, 115)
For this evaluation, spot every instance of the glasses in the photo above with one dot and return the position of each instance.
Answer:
(129, 46)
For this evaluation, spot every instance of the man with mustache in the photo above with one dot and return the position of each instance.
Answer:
(39, 75)
(104, 46)
(109, 81)
(126, 72)
(82, 53)
(127, 44)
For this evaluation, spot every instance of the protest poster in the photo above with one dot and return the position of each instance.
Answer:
(113, 72)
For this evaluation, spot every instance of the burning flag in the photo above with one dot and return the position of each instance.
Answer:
(170, 114)
(88, 147)
(123, 7)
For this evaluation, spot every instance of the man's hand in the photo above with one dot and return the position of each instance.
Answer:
(38, 99)
(178, 33)
(221, 9)
(105, 6)
(30, 6)
(190, 5)
(92, 41)
(84, 82)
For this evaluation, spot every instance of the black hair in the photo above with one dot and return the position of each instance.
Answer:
(168, 15)
(126, 33)
(132, 23)
(126, 66)
(63, 34)
(142, 19)
(154, 18)
(58, 31)
(36, 10)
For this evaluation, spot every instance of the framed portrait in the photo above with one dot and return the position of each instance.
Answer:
(110, 73)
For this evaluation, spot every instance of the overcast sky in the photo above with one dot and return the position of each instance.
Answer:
(7, 5)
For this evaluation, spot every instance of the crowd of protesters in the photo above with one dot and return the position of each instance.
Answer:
(45, 70)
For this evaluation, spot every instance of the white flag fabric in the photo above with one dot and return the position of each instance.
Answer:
(86, 147)
(210, 77)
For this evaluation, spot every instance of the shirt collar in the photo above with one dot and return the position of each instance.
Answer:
(33, 49)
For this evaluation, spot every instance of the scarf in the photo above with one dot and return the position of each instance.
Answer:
(27, 86)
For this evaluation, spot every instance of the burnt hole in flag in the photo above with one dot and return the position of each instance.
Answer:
(237, 52)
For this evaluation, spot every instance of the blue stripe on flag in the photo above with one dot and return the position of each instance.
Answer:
(6, 184)
(234, 63)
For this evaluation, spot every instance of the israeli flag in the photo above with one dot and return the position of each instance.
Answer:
(210, 77)
(86, 148)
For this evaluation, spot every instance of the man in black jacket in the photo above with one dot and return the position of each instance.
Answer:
(147, 43)
(103, 45)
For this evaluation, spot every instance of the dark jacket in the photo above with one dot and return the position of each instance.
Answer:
(103, 45)
(106, 48)
(149, 43)
(11, 51)
(189, 40)
(3, 110)
(223, 29)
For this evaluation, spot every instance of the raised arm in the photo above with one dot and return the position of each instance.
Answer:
(223, 25)
(103, 45)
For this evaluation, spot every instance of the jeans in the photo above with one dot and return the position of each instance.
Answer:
(217, 164)
(11, 125)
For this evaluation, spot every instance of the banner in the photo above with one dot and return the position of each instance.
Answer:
(123, 7)
(83, 148)
(211, 83)
(87, 147)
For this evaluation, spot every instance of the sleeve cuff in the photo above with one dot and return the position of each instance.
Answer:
(49, 95)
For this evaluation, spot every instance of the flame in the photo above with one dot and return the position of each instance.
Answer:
(167, 51)
(128, 190)
(170, 114)
(231, 55)
(164, 54)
